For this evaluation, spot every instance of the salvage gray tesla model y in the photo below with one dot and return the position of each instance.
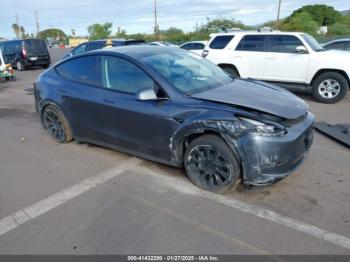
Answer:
(174, 107)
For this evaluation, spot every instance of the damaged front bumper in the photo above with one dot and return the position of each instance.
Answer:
(267, 160)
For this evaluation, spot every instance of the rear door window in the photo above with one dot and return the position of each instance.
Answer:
(84, 70)
(255, 43)
(221, 41)
(283, 44)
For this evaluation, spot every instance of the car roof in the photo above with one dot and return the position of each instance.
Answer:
(194, 42)
(118, 40)
(138, 51)
(257, 33)
(338, 40)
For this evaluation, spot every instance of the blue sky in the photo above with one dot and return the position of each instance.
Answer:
(137, 16)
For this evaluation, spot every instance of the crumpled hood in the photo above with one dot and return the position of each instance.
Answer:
(259, 96)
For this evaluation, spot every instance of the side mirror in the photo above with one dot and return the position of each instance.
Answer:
(301, 49)
(146, 94)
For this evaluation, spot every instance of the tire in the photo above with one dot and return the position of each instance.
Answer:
(230, 70)
(20, 66)
(329, 88)
(203, 159)
(56, 124)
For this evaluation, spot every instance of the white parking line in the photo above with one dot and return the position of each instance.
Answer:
(15, 220)
(185, 187)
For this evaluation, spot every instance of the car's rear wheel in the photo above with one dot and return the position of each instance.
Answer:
(330, 87)
(56, 124)
(20, 66)
(211, 165)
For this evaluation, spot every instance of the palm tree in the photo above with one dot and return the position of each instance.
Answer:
(16, 29)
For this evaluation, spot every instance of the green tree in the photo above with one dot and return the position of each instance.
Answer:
(217, 24)
(322, 14)
(16, 28)
(173, 34)
(301, 22)
(52, 34)
(100, 31)
(340, 28)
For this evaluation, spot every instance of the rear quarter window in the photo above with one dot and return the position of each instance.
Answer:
(221, 41)
(83, 70)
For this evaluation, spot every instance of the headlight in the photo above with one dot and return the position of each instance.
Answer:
(244, 125)
(262, 128)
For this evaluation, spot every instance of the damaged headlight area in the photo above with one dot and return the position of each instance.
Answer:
(243, 125)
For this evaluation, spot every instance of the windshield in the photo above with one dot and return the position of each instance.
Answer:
(312, 42)
(186, 71)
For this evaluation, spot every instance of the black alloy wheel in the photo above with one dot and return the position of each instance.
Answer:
(56, 124)
(211, 165)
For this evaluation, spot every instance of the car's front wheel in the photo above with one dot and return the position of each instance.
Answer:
(56, 124)
(330, 87)
(211, 165)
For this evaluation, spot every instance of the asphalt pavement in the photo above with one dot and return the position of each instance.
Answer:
(83, 199)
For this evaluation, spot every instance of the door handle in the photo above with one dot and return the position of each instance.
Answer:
(108, 101)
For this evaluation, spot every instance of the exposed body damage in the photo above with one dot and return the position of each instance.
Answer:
(261, 163)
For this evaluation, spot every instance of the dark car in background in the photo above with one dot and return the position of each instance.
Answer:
(22, 54)
(340, 44)
(98, 44)
(172, 106)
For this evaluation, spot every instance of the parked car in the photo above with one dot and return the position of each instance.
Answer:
(22, 54)
(295, 61)
(177, 108)
(162, 43)
(98, 44)
(340, 44)
(194, 46)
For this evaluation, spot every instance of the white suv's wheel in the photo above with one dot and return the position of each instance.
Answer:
(330, 87)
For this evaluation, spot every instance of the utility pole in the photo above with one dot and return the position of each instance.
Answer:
(37, 23)
(17, 21)
(278, 15)
(156, 28)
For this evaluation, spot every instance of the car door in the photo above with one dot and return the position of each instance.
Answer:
(283, 63)
(249, 56)
(131, 124)
(78, 92)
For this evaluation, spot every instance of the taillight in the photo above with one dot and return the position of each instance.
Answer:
(24, 52)
(205, 53)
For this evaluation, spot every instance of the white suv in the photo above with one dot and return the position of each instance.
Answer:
(295, 61)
